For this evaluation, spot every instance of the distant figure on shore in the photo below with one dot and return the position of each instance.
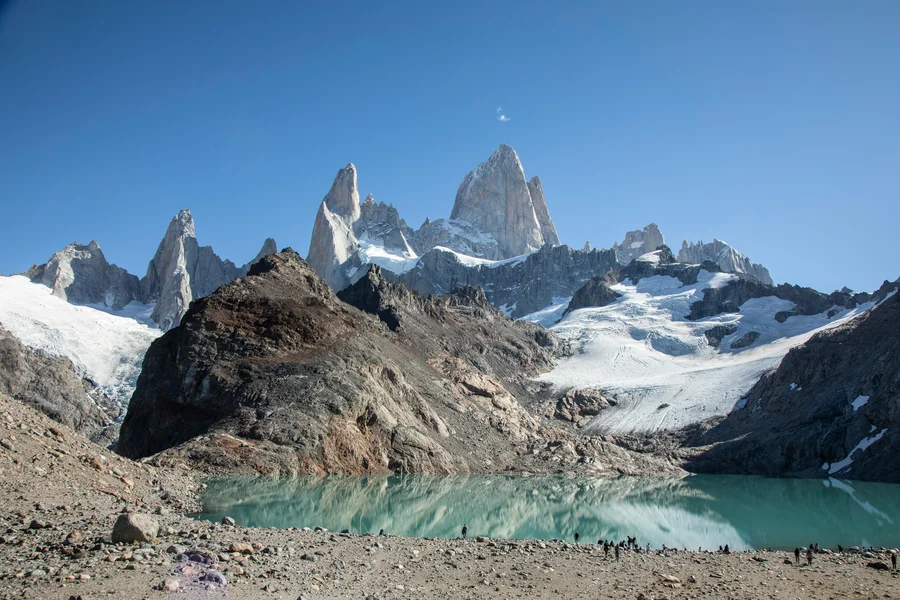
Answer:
(605, 549)
(809, 556)
(465, 530)
(576, 537)
(726, 550)
(840, 548)
(648, 547)
(618, 553)
(797, 555)
(381, 533)
(894, 560)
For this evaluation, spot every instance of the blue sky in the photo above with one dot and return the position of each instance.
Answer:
(772, 125)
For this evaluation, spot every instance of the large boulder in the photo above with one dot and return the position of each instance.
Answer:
(134, 527)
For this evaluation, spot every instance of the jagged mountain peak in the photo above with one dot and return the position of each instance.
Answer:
(638, 243)
(724, 255)
(343, 197)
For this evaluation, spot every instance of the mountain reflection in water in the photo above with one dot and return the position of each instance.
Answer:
(697, 511)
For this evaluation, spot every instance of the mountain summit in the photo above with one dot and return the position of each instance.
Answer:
(498, 214)
(497, 199)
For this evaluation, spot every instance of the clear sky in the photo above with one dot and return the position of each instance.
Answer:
(772, 125)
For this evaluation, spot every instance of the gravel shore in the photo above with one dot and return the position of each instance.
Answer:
(60, 496)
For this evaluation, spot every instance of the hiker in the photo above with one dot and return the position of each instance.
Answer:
(797, 555)
(894, 560)
(465, 530)
(726, 550)
(618, 552)
(809, 556)
(648, 547)
(576, 537)
(605, 549)
(840, 548)
(381, 533)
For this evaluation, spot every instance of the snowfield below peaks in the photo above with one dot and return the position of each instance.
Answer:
(660, 368)
(105, 347)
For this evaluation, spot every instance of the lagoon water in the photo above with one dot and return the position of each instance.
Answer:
(696, 511)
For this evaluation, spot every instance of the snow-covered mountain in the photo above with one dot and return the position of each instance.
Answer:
(498, 214)
(661, 366)
(77, 307)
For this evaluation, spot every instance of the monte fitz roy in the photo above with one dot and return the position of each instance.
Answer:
(477, 343)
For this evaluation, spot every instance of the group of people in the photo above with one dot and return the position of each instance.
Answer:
(631, 543)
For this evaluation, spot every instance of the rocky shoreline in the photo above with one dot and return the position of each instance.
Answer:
(61, 496)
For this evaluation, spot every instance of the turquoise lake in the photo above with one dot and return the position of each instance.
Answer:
(696, 511)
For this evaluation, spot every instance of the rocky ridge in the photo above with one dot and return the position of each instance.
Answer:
(729, 259)
(180, 271)
(831, 408)
(401, 383)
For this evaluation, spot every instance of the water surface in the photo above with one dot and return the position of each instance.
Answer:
(697, 511)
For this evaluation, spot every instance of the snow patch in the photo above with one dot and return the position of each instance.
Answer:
(859, 402)
(105, 346)
(861, 446)
(643, 352)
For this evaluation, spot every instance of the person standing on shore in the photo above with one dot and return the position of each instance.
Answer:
(465, 530)
(618, 552)
(606, 549)
(576, 537)
(809, 556)
(894, 560)
(797, 555)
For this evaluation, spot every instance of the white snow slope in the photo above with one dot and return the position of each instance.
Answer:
(105, 347)
(658, 366)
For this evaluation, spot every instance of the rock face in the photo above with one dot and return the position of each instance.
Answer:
(518, 287)
(51, 385)
(575, 405)
(182, 270)
(729, 259)
(548, 229)
(81, 275)
(594, 293)
(496, 198)
(831, 409)
(274, 373)
(333, 240)
(638, 243)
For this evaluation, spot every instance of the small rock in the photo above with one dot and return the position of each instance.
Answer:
(270, 588)
(878, 566)
(309, 557)
(228, 521)
(214, 576)
(241, 547)
(170, 585)
(176, 549)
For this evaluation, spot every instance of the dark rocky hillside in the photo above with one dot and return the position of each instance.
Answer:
(274, 373)
(837, 393)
